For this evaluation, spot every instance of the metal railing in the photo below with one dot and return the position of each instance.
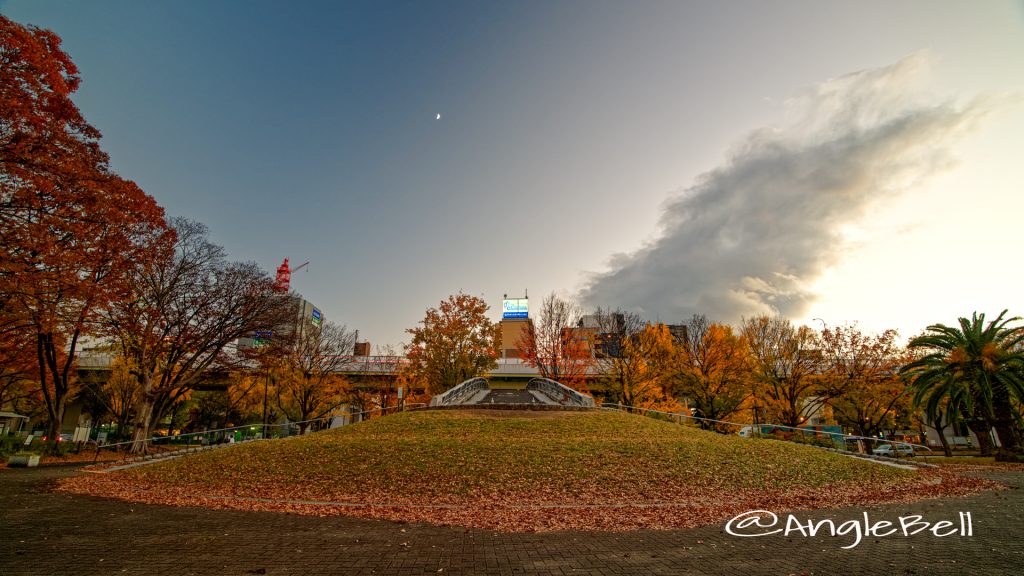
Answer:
(560, 393)
(804, 432)
(222, 436)
(460, 393)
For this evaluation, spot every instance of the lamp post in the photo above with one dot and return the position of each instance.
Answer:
(266, 386)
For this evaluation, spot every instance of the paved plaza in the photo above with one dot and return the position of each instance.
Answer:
(52, 533)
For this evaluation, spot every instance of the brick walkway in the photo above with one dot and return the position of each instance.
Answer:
(49, 533)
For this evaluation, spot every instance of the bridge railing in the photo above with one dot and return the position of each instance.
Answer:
(560, 393)
(460, 393)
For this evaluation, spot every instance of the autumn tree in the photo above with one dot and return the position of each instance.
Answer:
(18, 388)
(454, 342)
(555, 344)
(634, 360)
(861, 378)
(114, 395)
(185, 312)
(785, 365)
(309, 386)
(238, 400)
(711, 368)
(72, 228)
(384, 378)
(17, 363)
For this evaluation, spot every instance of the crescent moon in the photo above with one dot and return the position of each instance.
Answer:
(438, 116)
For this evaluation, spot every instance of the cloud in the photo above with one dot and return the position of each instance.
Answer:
(750, 236)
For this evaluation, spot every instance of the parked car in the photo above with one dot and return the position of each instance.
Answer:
(894, 450)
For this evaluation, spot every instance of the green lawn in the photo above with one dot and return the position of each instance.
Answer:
(453, 455)
(504, 470)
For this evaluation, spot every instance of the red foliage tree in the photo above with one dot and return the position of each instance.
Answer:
(862, 378)
(71, 227)
(556, 345)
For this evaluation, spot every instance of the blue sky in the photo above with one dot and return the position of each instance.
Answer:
(573, 135)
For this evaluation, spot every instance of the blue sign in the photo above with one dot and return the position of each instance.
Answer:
(515, 308)
(262, 337)
(316, 317)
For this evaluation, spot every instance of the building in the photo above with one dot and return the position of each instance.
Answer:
(602, 334)
(514, 325)
(307, 317)
(513, 333)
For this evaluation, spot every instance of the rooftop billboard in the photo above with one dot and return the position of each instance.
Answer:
(515, 308)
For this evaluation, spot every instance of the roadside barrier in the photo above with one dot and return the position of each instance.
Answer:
(757, 430)
(197, 441)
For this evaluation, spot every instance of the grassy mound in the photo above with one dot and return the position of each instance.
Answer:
(518, 470)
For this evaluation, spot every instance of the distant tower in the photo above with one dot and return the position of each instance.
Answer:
(284, 277)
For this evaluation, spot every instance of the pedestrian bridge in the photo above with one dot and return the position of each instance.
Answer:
(539, 392)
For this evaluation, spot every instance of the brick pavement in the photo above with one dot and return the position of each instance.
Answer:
(49, 533)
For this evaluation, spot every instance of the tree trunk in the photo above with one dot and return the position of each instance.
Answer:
(46, 355)
(940, 428)
(122, 425)
(1003, 422)
(56, 420)
(174, 416)
(982, 430)
(1009, 449)
(140, 437)
(1009, 443)
(945, 443)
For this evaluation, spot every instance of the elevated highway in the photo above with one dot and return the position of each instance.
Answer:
(364, 371)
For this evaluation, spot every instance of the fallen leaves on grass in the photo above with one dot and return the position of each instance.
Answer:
(588, 471)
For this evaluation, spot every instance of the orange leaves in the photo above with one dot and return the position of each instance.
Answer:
(72, 228)
(712, 368)
(307, 385)
(594, 471)
(785, 364)
(860, 377)
(640, 372)
(455, 342)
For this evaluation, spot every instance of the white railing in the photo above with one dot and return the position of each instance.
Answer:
(560, 393)
(459, 394)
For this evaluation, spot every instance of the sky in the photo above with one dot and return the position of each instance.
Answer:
(832, 162)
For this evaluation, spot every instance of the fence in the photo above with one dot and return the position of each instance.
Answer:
(196, 440)
(839, 440)
(560, 393)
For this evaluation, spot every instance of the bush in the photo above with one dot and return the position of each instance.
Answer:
(55, 448)
(9, 445)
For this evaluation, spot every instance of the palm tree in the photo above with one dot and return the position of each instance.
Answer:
(978, 368)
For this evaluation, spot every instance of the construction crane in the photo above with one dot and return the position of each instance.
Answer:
(284, 275)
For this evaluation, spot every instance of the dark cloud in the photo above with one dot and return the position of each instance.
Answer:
(750, 236)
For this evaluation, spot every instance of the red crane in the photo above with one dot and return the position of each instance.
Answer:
(284, 275)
